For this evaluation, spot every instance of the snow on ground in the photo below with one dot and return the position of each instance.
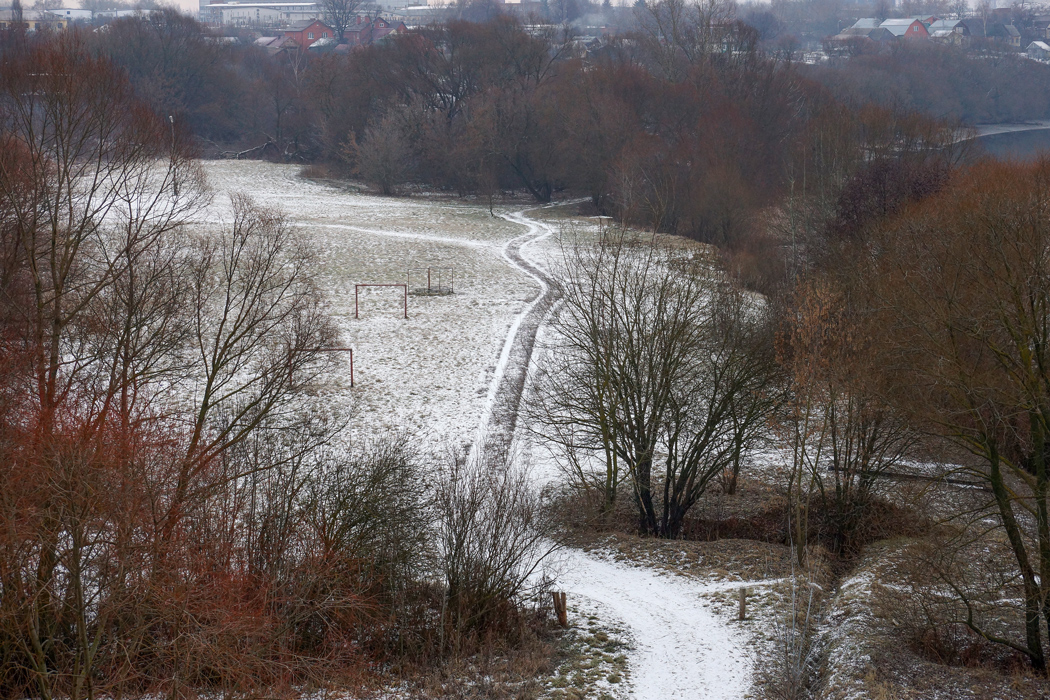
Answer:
(442, 372)
(683, 646)
(429, 374)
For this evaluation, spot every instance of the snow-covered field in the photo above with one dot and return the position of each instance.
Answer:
(440, 374)
(429, 374)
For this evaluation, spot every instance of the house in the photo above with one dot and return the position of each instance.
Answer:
(974, 27)
(308, 31)
(949, 31)
(862, 28)
(382, 28)
(32, 20)
(956, 26)
(1004, 34)
(275, 44)
(862, 25)
(907, 28)
(881, 34)
(323, 45)
(1041, 26)
(366, 30)
(1039, 50)
(947, 36)
(854, 37)
(869, 29)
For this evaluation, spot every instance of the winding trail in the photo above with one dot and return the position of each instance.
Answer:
(681, 648)
(499, 418)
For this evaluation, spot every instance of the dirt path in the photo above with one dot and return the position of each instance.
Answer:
(681, 648)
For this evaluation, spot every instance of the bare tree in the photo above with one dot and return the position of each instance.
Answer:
(383, 157)
(965, 288)
(842, 433)
(257, 333)
(680, 34)
(657, 361)
(340, 15)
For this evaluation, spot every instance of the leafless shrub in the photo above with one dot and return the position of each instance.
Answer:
(382, 156)
(373, 512)
(950, 598)
(494, 538)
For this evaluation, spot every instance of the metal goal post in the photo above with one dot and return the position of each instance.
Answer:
(432, 281)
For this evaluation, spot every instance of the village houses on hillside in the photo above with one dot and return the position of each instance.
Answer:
(959, 32)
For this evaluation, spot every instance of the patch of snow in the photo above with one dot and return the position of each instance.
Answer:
(683, 648)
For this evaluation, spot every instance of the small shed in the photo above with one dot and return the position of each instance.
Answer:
(1039, 50)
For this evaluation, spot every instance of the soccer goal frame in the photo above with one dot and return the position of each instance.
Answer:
(440, 280)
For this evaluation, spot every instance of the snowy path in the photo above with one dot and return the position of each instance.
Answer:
(500, 416)
(681, 648)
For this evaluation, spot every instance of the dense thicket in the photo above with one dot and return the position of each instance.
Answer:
(963, 289)
(971, 86)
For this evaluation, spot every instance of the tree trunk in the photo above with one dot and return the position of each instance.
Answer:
(1033, 598)
(647, 524)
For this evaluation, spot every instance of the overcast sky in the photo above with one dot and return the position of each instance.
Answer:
(190, 6)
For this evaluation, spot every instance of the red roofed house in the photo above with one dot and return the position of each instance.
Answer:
(906, 28)
(367, 30)
(382, 27)
(308, 31)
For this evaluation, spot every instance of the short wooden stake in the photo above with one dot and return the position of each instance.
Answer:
(560, 608)
(743, 604)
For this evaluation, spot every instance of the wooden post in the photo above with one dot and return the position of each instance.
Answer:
(743, 604)
(560, 608)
